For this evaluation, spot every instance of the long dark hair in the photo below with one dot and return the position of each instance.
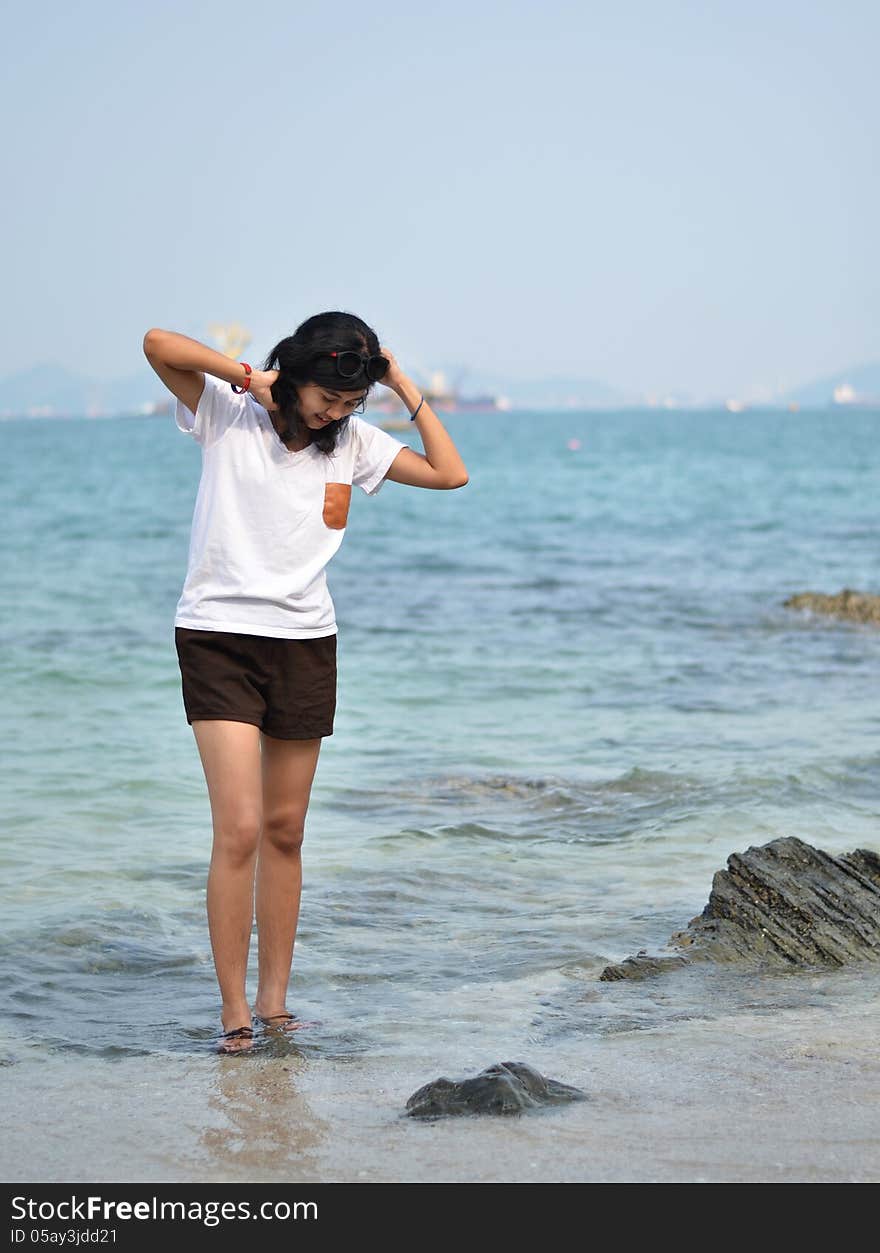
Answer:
(298, 360)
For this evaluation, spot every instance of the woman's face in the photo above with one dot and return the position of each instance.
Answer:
(320, 405)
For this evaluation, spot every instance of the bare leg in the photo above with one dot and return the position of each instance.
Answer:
(288, 770)
(230, 753)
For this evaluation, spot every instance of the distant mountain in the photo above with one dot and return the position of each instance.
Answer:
(52, 389)
(863, 379)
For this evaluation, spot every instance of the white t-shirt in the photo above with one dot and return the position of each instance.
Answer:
(267, 520)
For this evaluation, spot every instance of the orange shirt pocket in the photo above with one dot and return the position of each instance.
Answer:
(337, 498)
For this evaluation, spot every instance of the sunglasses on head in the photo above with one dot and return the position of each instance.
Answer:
(350, 364)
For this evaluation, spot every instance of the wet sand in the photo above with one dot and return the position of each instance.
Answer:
(793, 1096)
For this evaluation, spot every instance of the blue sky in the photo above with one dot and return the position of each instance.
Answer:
(664, 196)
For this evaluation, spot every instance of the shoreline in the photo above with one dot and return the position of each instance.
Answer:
(789, 1097)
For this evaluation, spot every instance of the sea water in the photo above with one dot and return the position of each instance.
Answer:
(567, 693)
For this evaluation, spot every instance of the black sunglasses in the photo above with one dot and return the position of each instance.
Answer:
(350, 364)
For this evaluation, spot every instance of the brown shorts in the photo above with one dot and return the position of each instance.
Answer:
(287, 688)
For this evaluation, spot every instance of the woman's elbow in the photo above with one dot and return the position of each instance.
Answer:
(457, 480)
(152, 340)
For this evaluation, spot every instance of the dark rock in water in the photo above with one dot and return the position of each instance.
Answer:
(853, 606)
(783, 904)
(505, 1088)
(642, 966)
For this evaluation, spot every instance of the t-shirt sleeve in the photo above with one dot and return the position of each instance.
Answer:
(374, 450)
(217, 409)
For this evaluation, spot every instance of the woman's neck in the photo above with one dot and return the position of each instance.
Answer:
(291, 443)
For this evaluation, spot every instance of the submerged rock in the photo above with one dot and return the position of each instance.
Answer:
(505, 1088)
(853, 606)
(642, 966)
(783, 904)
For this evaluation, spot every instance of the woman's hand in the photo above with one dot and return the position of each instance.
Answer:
(393, 376)
(261, 388)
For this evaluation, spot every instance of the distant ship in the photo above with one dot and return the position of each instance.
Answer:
(440, 396)
(845, 396)
(451, 399)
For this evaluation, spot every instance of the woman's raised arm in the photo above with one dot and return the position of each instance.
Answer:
(440, 466)
(182, 364)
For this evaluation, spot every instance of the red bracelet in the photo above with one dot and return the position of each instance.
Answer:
(247, 381)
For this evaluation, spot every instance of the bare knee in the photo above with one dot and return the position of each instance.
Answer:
(237, 838)
(284, 829)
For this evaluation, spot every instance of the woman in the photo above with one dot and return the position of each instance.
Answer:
(255, 627)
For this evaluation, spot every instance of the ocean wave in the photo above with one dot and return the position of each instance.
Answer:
(136, 943)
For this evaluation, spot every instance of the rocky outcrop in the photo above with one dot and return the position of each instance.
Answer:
(850, 605)
(505, 1088)
(783, 904)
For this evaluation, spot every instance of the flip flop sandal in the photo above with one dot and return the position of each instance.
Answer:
(240, 1033)
(283, 1018)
